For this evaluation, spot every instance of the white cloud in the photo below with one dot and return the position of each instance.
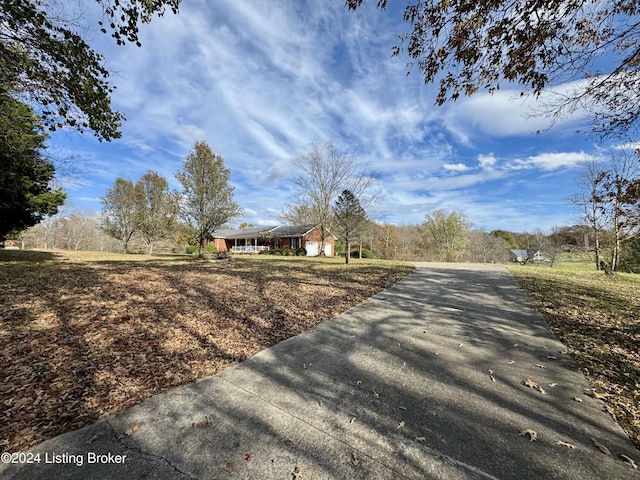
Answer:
(259, 81)
(486, 161)
(455, 167)
(506, 113)
(549, 161)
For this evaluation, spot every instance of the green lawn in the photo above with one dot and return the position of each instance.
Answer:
(597, 317)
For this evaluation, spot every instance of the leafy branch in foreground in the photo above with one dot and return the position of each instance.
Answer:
(467, 46)
(45, 61)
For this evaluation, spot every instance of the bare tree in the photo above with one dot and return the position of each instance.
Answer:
(119, 211)
(622, 192)
(486, 248)
(79, 230)
(323, 173)
(591, 201)
(156, 208)
(302, 214)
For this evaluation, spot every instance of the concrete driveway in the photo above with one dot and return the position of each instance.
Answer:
(425, 380)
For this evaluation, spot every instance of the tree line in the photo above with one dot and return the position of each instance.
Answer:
(333, 190)
(152, 211)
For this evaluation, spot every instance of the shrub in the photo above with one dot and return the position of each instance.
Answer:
(287, 252)
(366, 253)
(210, 248)
(301, 252)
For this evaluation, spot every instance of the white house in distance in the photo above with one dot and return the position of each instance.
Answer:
(526, 256)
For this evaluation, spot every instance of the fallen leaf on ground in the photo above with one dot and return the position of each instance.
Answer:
(353, 419)
(533, 385)
(565, 444)
(354, 459)
(229, 468)
(551, 357)
(247, 457)
(511, 362)
(577, 399)
(600, 446)
(419, 439)
(554, 384)
(400, 425)
(628, 460)
(533, 436)
(596, 395)
(296, 473)
(540, 366)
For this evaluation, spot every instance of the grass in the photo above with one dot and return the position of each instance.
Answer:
(85, 334)
(597, 317)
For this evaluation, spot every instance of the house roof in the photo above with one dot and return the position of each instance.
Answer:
(231, 233)
(276, 231)
(520, 253)
(292, 230)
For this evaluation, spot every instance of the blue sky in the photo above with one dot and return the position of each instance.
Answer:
(260, 80)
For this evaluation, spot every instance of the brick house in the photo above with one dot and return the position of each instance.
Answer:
(255, 240)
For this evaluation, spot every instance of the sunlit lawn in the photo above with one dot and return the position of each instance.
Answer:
(597, 317)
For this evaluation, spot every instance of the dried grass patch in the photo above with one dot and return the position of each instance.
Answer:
(82, 337)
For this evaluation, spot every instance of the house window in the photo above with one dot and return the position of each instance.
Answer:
(295, 243)
(276, 243)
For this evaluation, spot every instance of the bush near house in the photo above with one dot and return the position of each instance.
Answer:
(366, 253)
(210, 248)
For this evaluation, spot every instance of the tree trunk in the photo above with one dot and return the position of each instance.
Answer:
(348, 252)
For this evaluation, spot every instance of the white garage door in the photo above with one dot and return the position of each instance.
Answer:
(327, 250)
(312, 249)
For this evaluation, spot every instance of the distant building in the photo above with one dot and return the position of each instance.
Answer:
(529, 256)
(258, 239)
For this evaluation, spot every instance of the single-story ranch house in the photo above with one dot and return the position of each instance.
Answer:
(255, 240)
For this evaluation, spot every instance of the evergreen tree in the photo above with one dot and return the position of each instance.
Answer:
(26, 196)
(350, 218)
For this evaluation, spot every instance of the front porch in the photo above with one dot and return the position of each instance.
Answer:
(248, 248)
